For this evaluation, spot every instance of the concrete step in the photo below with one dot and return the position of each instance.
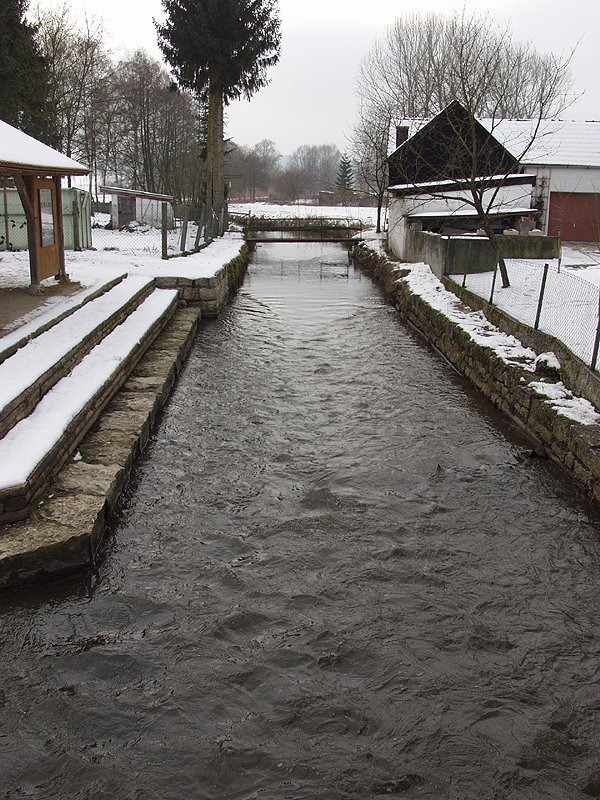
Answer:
(11, 342)
(37, 446)
(33, 369)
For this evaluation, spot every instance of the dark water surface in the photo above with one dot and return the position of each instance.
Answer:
(336, 575)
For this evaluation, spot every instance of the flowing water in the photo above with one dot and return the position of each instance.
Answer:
(337, 574)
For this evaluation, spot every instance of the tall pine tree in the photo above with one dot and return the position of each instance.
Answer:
(344, 184)
(221, 50)
(23, 73)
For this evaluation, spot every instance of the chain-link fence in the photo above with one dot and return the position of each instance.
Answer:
(185, 230)
(547, 298)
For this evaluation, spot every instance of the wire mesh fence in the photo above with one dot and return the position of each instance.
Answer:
(186, 231)
(547, 298)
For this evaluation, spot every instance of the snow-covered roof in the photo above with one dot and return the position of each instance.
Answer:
(20, 152)
(556, 142)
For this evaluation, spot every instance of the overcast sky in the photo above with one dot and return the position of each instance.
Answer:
(311, 96)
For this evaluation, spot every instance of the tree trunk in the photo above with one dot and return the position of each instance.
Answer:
(215, 181)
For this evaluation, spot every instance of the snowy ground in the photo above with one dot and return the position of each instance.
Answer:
(424, 283)
(367, 215)
(92, 268)
(571, 296)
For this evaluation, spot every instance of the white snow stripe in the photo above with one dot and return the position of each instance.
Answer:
(27, 444)
(39, 355)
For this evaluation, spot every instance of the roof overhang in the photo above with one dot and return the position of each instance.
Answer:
(471, 213)
(436, 187)
(21, 154)
(166, 198)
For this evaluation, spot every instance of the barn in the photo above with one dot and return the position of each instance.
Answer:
(565, 158)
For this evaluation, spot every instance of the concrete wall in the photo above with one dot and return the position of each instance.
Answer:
(451, 255)
(77, 226)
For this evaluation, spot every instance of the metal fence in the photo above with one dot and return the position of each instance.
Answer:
(191, 229)
(548, 299)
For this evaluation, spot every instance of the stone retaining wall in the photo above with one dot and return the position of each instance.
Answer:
(572, 445)
(67, 525)
(211, 293)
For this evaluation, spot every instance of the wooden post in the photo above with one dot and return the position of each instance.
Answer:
(200, 222)
(26, 193)
(184, 229)
(6, 226)
(60, 231)
(165, 222)
(76, 231)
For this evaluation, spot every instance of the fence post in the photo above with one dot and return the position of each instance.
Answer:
(597, 340)
(184, 229)
(536, 324)
(165, 222)
(491, 301)
(200, 224)
(6, 226)
(76, 231)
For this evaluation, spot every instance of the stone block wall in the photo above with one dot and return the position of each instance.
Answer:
(572, 445)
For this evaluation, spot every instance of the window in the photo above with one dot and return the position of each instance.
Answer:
(47, 217)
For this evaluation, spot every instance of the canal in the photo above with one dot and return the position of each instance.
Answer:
(337, 574)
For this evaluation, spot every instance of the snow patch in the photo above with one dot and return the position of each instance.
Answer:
(566, 403)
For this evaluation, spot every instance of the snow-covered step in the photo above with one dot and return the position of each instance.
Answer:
(34, 368)
(38, 445)
(11, 342)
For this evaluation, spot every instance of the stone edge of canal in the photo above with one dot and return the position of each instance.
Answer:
(65, 533)
(67, 527)
(575, 447)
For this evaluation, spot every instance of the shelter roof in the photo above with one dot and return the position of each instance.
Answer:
(137, 193)
(21, 153)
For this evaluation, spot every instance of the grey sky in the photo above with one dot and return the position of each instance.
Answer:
(311, 96)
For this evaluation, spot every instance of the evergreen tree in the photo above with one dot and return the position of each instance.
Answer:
(23, 73)
(221, 50)
(344, 183)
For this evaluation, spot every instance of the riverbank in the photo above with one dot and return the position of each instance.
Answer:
(66, 521)
(548, 396)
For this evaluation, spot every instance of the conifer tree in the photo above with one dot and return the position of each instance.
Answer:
(221, 50)
(23, 74)
(344, 183)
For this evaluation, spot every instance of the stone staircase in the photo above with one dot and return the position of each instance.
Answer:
(56, 382)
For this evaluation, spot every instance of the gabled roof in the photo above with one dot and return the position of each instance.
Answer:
(451, 145)
(21, 153)
(556, 142)
(568, 143)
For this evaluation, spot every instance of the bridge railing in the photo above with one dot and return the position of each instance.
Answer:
(297, 229)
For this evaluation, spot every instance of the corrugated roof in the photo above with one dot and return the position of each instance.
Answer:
(18, 151)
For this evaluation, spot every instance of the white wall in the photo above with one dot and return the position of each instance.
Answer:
(580, 180)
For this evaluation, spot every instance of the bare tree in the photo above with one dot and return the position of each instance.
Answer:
(369, 145)
(73, 55)
(426, 62)
(318, 164)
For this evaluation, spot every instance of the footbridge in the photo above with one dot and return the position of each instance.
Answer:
(313, 229)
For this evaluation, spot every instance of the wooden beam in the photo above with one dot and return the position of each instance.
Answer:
(62, 275)
(26, 193)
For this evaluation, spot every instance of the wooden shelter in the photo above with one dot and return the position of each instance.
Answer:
(37, 171)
